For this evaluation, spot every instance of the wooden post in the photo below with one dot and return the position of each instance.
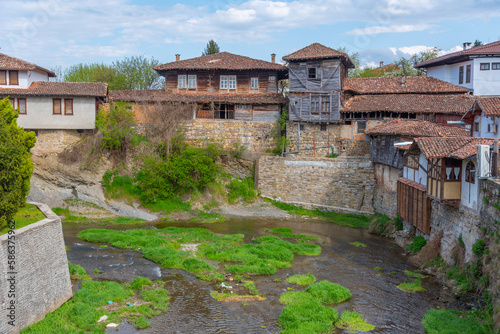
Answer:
(494, 165)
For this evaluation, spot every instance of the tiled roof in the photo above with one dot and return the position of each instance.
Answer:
(451, 147)
(162, 96)
(221, 61)
(11, 63)
(413, 103)
(489, 105)
(43, 88)
(398, 85)
(416, 128)
(486, 49)
(319, 51)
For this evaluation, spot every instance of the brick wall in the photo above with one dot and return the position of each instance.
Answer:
(42, 281)
(340, 184)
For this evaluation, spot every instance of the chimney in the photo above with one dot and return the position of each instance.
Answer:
(177, 57)
(403, 80)
(467, 45)
(381, 64)
(273, 58)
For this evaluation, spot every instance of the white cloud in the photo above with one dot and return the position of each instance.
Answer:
(389, 29)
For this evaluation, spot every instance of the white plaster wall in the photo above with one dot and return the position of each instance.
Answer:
(34, 76)
(39, 114)
(23, 81)
(469, 190)
(483, 127)
(422, 173)
(449, 73)
(486, 82)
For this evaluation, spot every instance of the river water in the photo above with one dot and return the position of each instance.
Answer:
(193, 310)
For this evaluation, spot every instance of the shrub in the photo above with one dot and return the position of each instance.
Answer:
(139, 282)
(15, 163)
(450, 321)
(242, 188)
(117, 127)
(353, 321)
(478, 248)
(398, 223)
(328, 292)
(416, 245)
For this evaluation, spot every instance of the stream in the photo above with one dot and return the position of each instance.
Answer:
(193, 310)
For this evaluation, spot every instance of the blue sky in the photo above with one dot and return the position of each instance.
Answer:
(54, 33)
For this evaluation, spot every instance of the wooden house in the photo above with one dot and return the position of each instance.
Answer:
(441, 169)
(316, 74)
(224, 86)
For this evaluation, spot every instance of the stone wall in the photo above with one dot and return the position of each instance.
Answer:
(385, 192)
(340, 184)
(315, 140)
(42, 281)
(255, 136)
(54, 141)
(489, 199)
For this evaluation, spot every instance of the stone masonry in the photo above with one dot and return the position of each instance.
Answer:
(339, 184)
(42, 281)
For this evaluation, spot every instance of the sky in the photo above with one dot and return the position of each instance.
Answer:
(52, 33)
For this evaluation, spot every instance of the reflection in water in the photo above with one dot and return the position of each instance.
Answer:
(193, 310)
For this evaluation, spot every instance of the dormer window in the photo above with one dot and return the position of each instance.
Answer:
(14, 78)
(3, 77)
(311, 73)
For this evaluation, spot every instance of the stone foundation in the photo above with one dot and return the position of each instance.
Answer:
(42, 281)
(55, 141)
(340, 184)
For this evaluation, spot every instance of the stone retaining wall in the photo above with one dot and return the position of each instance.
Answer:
(41, 276)
(340, 184)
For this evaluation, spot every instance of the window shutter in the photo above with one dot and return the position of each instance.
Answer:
(13, 77)
(68, 106)
(3, 77)
(56, 106)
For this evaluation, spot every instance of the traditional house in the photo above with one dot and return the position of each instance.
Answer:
(48, 105)
(475, 68)
(484, 117)
(442, 170)
(225, 86)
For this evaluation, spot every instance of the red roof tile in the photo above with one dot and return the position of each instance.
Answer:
(486, 49)
(11, 63)
(162, 96)
(221, 61)
(451, 147)
(413, 184)
(43, 88)
(416, 128)
(318, 51)
(413, 103)
(394, 85)
(489, 105)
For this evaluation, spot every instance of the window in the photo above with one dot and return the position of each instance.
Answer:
(311, 73)
(315, 104)
(243, 106)
(223, 82)
(181, 81)
(494, 66)
(13, 102)
(322, 127)
(191, 81)
(361, 126)
(470, 172)
(320, 104)
(14, 78)
(3, 77)
(476, 127)
(461, 75)
(452, 169)
(325, 104)
(21, 104)
(56, 106)
(302, 127)
(484, 66)
(254, 83)
(68, 106)
(232, 81)
(467, 74)
(272, 78)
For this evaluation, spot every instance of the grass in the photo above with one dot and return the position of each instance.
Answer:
(264, 256)
(287, 233)
(80, 314)
(74, 217)
(417, 244)
(328, 292)
(347, 219)
(357, 244)
(414, 286)
(208, 217)
(175, 204)
(306, 279)
(27, 214)
(231, 297)
(77, 272)
(454, 322)
(241, 189)
(353, 322)
(414, 274)
(250, 286)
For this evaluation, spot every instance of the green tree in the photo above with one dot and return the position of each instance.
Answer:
(406, 66)
(211, 48)
(96, 72)
(357, 70)
(477, 43)
(138, 73)
(15, 162)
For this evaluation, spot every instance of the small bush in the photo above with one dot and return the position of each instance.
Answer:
(139, 282)
(398, 223)
(478, 248)
(242, 189)
(416, 245)
(353, 321)
(117, 127)
(306, 279)
(328, 292)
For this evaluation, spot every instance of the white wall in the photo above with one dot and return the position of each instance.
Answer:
(23, 80)
(422, 174)
(36, 76)
(483, 127)
(469, 190)
(39, 114)
(449, 73)
(486, 82)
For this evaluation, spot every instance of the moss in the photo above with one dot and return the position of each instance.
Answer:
(414, 286)
(417, 244)
(231, 297)
(329, 293)
(413, 274)
(353, 322)
(287, 233)
(306, 279)
(357, 244)
(450, 321)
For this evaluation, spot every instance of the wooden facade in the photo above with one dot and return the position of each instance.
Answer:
(315, 89)
(414, 205)
(382, 150)
(444, 180)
